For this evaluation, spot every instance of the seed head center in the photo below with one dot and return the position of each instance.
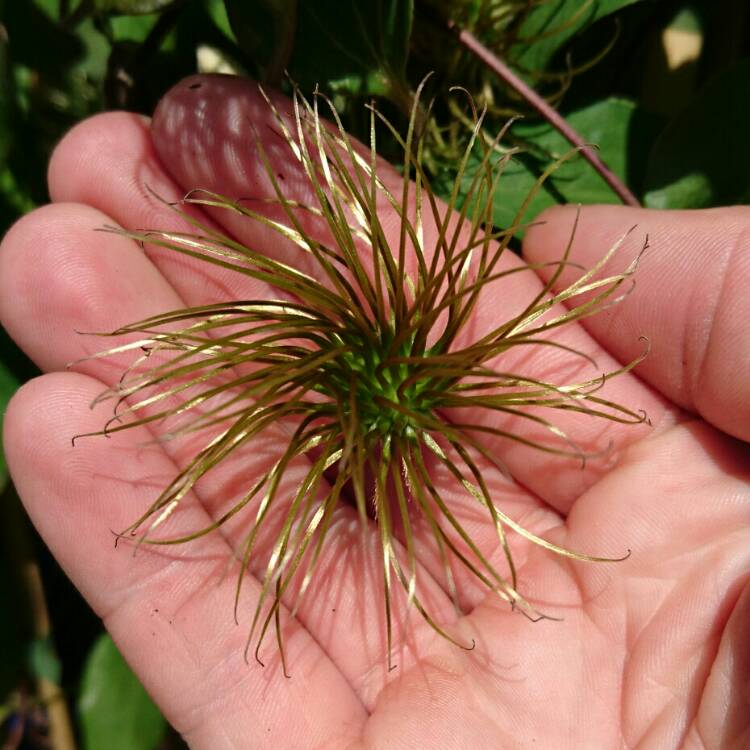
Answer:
(387, 395)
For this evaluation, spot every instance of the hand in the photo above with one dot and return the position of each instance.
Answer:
(651, 652)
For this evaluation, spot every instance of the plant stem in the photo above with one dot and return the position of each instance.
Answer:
(18, 546)
(553, 117)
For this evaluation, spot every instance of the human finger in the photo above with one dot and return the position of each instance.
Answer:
(57, 277)
(691, 300)
(167, 610)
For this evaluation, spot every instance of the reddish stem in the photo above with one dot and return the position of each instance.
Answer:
(553, 117)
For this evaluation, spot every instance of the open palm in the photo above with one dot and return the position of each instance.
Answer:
(652, 652)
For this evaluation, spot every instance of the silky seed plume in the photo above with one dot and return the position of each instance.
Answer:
(368, 361)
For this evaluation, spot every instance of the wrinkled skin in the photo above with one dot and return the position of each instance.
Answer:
(652, 652)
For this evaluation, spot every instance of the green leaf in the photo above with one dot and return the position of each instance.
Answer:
(359, 48)
(133, 28)
(702, 158)
(615, 125)
(115, 711)
(133, 7)
(6, 101)
(51, 8)
(39, 41)
(395, 33)
(43, 660)
(349, 47)
(264, 30)
(217, 10)
(551, 24)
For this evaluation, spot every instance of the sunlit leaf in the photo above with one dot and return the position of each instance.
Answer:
(615, 125)
(115, 710)
(217, 11)
(132, 28)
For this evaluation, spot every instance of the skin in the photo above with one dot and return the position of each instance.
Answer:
(652, 652)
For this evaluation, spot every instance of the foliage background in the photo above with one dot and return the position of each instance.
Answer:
(662, 86)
